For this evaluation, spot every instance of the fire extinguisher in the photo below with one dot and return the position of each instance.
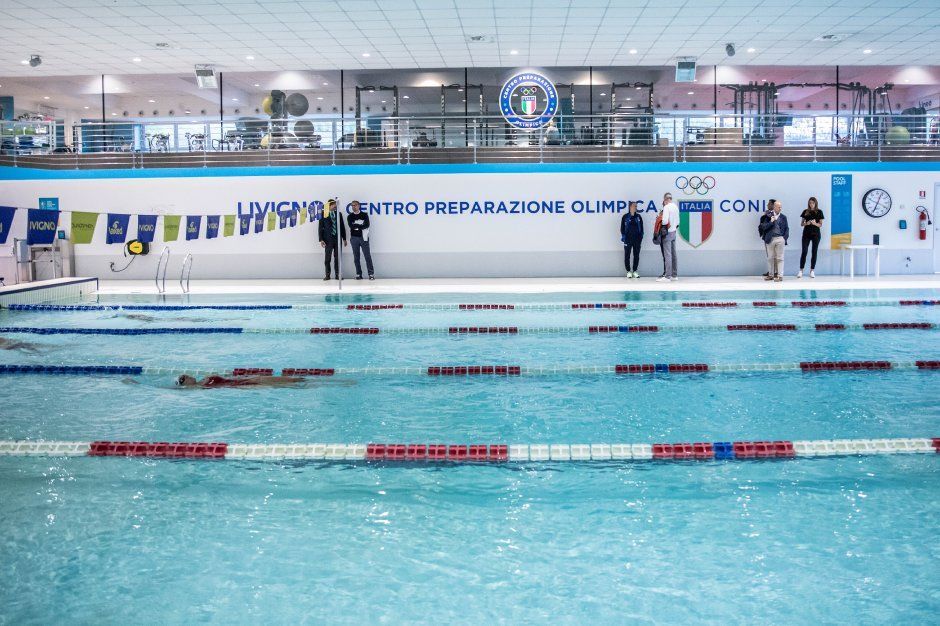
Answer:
(923, 221)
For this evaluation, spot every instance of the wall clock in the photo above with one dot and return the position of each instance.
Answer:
(876, 202)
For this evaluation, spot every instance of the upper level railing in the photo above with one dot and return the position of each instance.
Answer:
(472, 139)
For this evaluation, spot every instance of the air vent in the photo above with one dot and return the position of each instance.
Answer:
(833, 37)
(480, 39)
(162, 45)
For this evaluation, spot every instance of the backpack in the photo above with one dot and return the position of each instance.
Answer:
(657, 227)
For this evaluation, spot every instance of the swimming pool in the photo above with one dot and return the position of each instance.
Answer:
(610, 540)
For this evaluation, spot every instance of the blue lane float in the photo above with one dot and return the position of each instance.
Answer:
(125, 370)
(121, 331)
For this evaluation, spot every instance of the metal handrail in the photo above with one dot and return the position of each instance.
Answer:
(163, 255)
(187, 264)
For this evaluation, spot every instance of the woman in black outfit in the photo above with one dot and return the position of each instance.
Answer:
(631, 234)
(811, 219)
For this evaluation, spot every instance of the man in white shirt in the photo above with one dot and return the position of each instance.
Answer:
(668, 241)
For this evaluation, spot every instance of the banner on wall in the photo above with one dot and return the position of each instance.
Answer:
(6, 221)
(146, 228)
(212, 226)
(259, 222)
(192, 226)
(272, 220)
(841, 211)
(41, 226)
(83, 226)
(117, 227)
(244, 224)
(287, 218)
(171, 227)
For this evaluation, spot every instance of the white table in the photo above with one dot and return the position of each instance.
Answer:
(867, 247)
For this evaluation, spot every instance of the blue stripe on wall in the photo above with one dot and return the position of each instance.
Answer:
(22, 173)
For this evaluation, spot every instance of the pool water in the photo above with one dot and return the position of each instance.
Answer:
(790, 541)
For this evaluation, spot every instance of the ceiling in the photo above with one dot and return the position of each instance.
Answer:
(76, 37)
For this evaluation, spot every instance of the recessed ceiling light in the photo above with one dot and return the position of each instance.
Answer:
(752, 50)
(603, 94)
(366, 54)
(114, 114)
(187, 111)
(629, 98)
(234, 99)
(691, 93)
(24, 62)
(639, 88)
(406, 97)
(45, 97)
(383, 101)
(86, 107)
(372, 91)
(136, 59)
(319, 97)
(513, 52)
(907, 80)
(249, 58)
(866, 51)
(632, 50)
(151, 101)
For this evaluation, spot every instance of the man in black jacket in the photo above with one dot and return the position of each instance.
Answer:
(359, 236)
(331, 225)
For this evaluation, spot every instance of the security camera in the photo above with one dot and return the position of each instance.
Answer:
(35, 60)
(729, 49)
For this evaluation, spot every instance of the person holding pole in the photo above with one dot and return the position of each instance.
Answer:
(331, 228)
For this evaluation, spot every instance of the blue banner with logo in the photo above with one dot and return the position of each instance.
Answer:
(117, 227)
(244, 223)
(6, 221)
(259, 222)
(41, 226)
(146, 227)
(192, 226)
(287, 218)
(315, 210)
(212, 226)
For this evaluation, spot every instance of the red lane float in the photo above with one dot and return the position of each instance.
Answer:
(818, 366)
(709, 305)
(763, 303)
(475, 370)
(159, 449)
(252, 371)
(897, 325)
(483, 330)
(812, 303)
(927, 365)
(647, 368)
(830, 326)
(761, 327)
(308, 371)
(437, 452)
(486, 307)
(763, 449)
(344, 331)
(683, 451)
(373, 307)
(918, 302)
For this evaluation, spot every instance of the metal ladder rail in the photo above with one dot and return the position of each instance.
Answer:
(156, 279)
(186, 272)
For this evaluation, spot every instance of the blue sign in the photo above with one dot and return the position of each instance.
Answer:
(244, 221)
(49, 204)
(117, 227)
(841, 224)
(695, 206)
(528, 101)
(6, 221)
(41, 226)
(192, 226)
(315, 210)
(212, 226)
(146, 227)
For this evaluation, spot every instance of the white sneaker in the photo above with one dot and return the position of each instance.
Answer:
(636, 274)
(799, 274)
(662, 279)
(674, 278)
(812, 273)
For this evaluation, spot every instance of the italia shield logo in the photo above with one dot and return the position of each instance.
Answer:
(695, 214)
(528, 101)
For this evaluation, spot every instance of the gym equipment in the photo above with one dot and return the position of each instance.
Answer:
(370, 135)
(897, 136)
(297, 104)
(634, 123)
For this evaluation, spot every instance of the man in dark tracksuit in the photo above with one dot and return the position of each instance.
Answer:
(631, 234)
(329, 241)
(359, 236)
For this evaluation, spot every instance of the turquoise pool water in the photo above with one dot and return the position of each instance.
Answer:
(797, 541)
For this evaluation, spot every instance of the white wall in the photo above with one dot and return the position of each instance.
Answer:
(429, 244)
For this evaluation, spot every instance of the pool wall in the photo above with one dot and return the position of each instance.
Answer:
(498, 220)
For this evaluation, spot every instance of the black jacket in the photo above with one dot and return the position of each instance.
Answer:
(637, 221)
(325, 228)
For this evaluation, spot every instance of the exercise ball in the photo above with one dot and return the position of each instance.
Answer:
(266, 104)
(297, 104)
(897, 136)
(303, 128)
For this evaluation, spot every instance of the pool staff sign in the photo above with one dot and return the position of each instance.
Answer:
(528, 101)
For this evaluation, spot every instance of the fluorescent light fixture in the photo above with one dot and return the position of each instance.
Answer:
(691, 93)
(632, 50)
(136, 59)
(24, 62)
(366, 54)
(406, 97)
(752, 50)
(319, 97)
(513, 52)
(234, 99)
(249, 58)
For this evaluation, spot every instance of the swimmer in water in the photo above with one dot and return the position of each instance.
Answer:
(14, 344)
(215, 380)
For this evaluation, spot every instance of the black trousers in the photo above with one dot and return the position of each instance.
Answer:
(358, 243)
(807, 239)
(631, 247)
(331, 251)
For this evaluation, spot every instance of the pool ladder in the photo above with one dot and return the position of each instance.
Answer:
(165, 262)
(185, 272)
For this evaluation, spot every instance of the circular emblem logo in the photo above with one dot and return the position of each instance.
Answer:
(528, 101)
(695, 185)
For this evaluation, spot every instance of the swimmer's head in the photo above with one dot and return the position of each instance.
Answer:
(185, 380)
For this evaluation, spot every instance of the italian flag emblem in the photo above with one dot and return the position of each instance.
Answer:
(695, 221)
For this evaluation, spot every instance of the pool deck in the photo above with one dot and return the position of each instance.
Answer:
(522, 285)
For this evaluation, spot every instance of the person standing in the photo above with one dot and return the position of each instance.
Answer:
(768, 208)
(359, 237)
(775, 231)
(631, 234)
(331, 228)
(670, 224)
(811, 219)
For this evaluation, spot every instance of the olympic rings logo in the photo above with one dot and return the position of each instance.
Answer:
(695, 185)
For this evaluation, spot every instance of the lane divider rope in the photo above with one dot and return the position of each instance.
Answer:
(481, 370)
(456, 306)
(469, 330)
(476, 453)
